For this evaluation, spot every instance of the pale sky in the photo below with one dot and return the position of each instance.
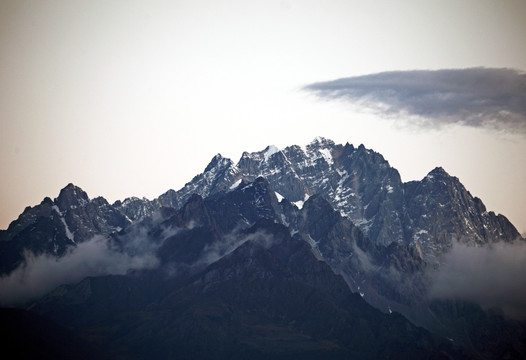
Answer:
(132, 98)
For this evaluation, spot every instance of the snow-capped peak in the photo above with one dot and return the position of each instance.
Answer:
(235, 184)
(320, 142)
(218, 161)
(269, 151)
(326, 153)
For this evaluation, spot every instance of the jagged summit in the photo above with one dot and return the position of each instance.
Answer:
(218, 161)
(72, 188)
(438, 172)
(71, 196)
(357, 182)
(320, 143)
(54, 226)
(287, 213)
(259, 156)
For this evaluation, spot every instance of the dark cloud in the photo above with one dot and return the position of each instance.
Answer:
(478, 97)
(492, 276)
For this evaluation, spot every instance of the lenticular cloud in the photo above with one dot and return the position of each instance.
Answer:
(476, 97)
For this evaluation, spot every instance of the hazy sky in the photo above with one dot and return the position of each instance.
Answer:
(132, 98)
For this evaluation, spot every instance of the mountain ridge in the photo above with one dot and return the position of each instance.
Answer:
(357, 182)
(345, 204)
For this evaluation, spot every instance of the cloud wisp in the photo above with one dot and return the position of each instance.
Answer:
(115, 255)
(229, 243)
(476, 97)
(41, 274)
(133, 250)
(492, 276)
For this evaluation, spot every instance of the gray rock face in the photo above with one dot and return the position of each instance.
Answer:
(351, 206)
(218, 176)
(439, 210)
(346, 206)
(134, 208)
(389, 277)
(244, 286)
(359, 183)
(53, 226)
(428, 215)
(84, 218)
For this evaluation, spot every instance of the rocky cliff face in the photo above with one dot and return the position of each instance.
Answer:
(360, 184)
(351, 188)
(439, 210)
(307, 215)
(233, 278)
(53, 226)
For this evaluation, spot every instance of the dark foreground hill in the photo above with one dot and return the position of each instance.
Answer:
(270, 298)
(28, 336)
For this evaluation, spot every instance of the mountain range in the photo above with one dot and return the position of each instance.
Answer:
(314, 252)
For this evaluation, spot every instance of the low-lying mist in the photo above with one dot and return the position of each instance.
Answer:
(40, 274)
(137, 249)
(492, 276)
